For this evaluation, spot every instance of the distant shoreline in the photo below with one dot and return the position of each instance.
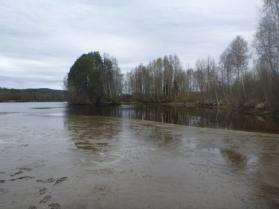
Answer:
(51, 95)
(26, 101)
(31, 95)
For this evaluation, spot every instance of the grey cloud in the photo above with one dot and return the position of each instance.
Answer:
(41, 39)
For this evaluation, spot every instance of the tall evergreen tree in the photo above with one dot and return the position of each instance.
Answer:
(90, 79)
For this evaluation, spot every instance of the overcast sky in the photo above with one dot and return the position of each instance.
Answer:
(40, 39)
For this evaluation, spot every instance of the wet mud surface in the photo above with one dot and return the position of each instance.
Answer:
(51, 159)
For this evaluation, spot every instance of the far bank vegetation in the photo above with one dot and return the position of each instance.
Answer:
(236, 80)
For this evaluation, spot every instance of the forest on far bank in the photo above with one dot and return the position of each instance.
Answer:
(31, 95)
(236, 80)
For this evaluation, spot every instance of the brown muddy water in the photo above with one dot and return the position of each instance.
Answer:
(54, 157)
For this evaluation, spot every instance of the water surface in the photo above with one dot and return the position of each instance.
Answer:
(52, 158)
(185, 116)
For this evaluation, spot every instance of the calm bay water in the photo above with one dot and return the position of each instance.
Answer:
(52, 156)
(183, 116)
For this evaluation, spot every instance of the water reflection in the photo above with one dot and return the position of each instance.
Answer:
(183, 116)
(147, 155)
(91, 134)
(101, 134)
(118, 163)
(234, 159)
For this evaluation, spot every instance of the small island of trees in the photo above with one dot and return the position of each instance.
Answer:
(94, 80)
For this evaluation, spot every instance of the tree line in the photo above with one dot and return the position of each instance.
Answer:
(235, 79)
(165, 80)
(232, 80)
(28, 95)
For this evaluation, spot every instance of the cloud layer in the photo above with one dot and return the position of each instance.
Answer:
(41, 39)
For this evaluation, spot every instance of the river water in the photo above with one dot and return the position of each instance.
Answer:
(52, 156)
